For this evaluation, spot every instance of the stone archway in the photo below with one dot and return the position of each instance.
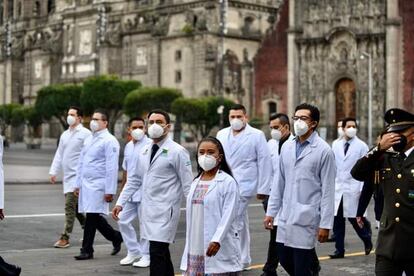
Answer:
(345, 98)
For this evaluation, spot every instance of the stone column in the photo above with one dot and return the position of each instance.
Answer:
(293, 62)
(394, 67)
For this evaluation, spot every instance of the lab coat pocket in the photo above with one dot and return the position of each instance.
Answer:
(157, 213)
(305, 215)
(228, 248)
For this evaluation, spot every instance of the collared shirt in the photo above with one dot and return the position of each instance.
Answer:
(67, 155)
(301, 146)
(408, 152)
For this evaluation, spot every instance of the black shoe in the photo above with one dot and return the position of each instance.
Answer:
(337, 255)
(368, 247)
(84, 256)
(268, 274)
(117, 248)
(17, 270)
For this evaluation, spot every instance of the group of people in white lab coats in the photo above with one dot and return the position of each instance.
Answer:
(296, 183)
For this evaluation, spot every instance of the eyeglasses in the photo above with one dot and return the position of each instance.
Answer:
(302, 118)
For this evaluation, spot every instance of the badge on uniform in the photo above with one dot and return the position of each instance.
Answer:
(164, 152)
(188, 163)
(412, 172)
(145, 152)
(411, 194)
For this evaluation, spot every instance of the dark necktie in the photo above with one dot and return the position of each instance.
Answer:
(154, 150)
(346, 147)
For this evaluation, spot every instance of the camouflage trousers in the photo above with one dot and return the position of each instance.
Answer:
(71, 211)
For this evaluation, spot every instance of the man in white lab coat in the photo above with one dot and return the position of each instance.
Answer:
(347, 189)
(164, 171)
(280, 133)
(66, 160)
(249, 159)
(5, 268)
(304, 195)
(96, 184)
(137, 248)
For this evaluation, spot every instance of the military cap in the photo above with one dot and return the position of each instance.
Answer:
(398, 119)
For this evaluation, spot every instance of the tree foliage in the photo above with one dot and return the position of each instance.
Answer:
(201, 113)
(54, 101)
(6, 115)
(145, 99)
(107, 92)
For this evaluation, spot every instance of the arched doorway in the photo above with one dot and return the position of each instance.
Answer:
(345, 99)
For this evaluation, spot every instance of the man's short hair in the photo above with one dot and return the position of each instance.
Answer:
(349, 119)
(135, 119)
(238, 107)
(283, 118)
(104, 114)
(162, 112)
(314, 111)
(78, 110)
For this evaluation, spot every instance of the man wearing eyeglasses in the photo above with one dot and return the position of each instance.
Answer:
(96, 184)
(303, 195)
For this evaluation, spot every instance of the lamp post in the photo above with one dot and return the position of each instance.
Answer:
(369, 57)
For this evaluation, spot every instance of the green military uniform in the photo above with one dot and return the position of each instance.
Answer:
(394, 172)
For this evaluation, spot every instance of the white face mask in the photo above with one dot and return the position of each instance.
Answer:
(351, 132)
(340, 132)
(155, 131)
(137, 134)
(207, 162)
(276, 134)
(94, 126)
(301, 127)
(71, 120)
(236, 124)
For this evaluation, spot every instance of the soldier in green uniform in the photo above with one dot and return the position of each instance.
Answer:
(391, 164)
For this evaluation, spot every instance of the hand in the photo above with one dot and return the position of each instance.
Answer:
(53, 179)
(76, 192)
(212, 249)
(268, 223)
(261, 196)
(323, 235)
(109, 198)
(115, 212)
(1, 214)
(360, 222)
(388, 140)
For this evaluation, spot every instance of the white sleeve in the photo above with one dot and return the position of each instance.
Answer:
(57, 160)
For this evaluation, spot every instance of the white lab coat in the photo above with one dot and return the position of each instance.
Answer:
(220, 210)
(345, 185)
(1, 175)
(249, 159)
(164, 182)
(304, 194)
(97, 172)
(67, 155)
(129, 164)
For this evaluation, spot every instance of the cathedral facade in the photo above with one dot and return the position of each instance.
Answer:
(181, 44)
(331, 53)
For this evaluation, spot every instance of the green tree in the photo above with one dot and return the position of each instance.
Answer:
(107, 92)
(33, 120)
(144, 99)
(6, 115)
(54, 101)
(201, 113)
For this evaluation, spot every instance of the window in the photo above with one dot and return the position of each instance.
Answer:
(19, 9)
(178, 76)
(36, 8)
(10, 9)
(272, 108)
(178, 55)
(51, 6)
(1, 12)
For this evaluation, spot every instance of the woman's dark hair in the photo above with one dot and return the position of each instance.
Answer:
(223, 164)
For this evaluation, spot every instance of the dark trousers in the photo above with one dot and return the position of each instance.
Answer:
(388, 267)
(93, 222)
(272, 258)
(297, 261)
(161, 264)
(8, 269)
(363, 233)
